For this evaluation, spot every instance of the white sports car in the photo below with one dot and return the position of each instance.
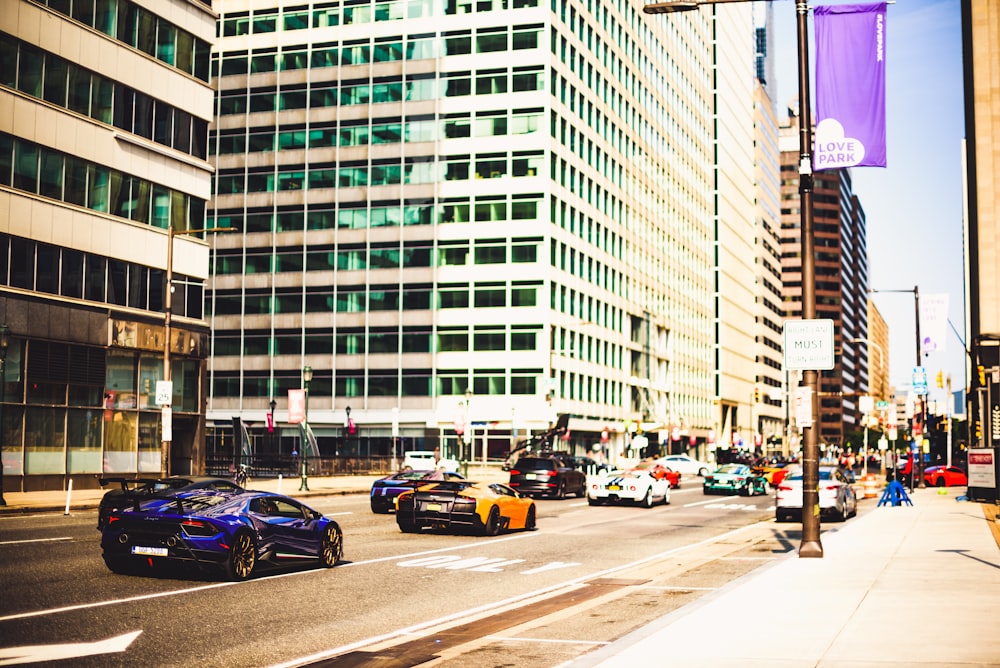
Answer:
(632, 486)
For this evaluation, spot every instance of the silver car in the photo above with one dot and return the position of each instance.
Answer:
(837, 498)
(686, 465)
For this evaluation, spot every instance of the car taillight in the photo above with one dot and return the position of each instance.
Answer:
(515, 472)
(830, 487)
(785, 488)
(198, 528)
(552, 473)
(112, 519)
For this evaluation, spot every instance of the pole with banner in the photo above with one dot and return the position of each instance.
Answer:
(850, 85)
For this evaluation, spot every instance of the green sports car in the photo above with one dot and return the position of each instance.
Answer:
(735, 479)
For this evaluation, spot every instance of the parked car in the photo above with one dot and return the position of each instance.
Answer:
(236, 533)
(638, 486)
(945, 476)
(132, 489)
(837, 498)
(547, 476)
(735, 479)
(385, 490)
(486, 508)
(427, 460)
(687, 465)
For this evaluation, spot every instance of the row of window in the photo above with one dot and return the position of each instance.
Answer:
(377, 341)
(359, 215)
(136, 26)
(377, 131)
(354, 52)
(40, 267)
(324, 14)
(353, 257)
(376, 383)
(380, 173)
(422, 87)
(48, 77)
(362, 299)
(43, 171)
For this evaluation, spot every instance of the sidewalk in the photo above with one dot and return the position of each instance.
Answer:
(901, 586)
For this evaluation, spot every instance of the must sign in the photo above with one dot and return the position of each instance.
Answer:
(809, 345)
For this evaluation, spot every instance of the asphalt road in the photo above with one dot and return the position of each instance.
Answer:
(587, 576)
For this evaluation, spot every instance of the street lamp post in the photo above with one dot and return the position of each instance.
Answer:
(810, 545)
(917, 465)
(4, 342)
(307, 376)
(166, 427)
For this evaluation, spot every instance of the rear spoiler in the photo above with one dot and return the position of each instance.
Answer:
(125, 482)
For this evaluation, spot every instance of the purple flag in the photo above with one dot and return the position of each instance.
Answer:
(850, 86)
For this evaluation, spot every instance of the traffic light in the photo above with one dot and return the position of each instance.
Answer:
(940, 379)
(982, 375)
(756, 395)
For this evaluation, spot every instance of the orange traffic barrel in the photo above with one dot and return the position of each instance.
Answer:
(871, 486)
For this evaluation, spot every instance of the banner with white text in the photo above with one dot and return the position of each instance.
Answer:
(850, 86)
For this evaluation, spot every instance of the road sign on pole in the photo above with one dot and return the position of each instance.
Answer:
(809, 344)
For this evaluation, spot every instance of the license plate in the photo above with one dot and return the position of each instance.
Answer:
(434, 506)
(529, 476)
(150, 551)
(614, 488)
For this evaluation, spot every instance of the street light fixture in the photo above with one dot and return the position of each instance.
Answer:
(166, 428)
(4, 342)
(810, 545)
(307, 376)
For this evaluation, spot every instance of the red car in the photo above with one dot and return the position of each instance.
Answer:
(945, 476)
(660, 471)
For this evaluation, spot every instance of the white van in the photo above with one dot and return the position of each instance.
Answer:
(427, 460)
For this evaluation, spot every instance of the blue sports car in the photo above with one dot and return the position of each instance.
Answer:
(216, 530)
(385, 490)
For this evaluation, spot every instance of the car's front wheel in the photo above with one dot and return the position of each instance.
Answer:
(331, 547)
(242, 556)
(647, 501)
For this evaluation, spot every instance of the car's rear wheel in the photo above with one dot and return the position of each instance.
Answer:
(940, 482)
(380, 507)
(647, 501)
(703, 472)
(594, 502)
(561, 491)
(242, 556)
(331, 548)
(530, 521)
(406, 525)
(492, 527)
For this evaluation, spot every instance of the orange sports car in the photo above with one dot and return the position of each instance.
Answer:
(464, 505)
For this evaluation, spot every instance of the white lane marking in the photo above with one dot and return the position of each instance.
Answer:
(11, 656)
(101, 604)
(34, 540)
(489, 607)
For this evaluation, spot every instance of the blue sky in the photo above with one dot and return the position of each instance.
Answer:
(914, 206)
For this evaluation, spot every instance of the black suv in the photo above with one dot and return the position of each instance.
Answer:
(547, 476)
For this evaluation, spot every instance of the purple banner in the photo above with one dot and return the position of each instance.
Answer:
(850, 86)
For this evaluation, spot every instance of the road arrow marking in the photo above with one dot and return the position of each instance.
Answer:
(11, 656)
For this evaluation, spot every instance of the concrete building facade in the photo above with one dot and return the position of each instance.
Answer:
(468, 217)
(104, 113)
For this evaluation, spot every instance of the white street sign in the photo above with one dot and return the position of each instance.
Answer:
(809, 345)
(164, 392)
